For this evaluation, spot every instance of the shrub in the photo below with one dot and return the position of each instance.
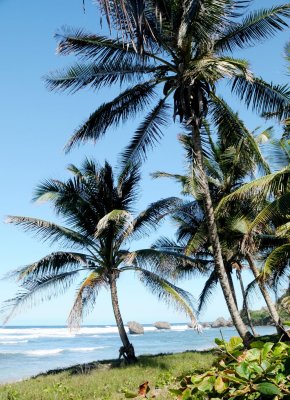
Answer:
(262, 372)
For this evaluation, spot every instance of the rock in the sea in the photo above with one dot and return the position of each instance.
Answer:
(162, 325)
(135, 328)
(221, 323)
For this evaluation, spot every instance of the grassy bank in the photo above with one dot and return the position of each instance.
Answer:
(108, 380)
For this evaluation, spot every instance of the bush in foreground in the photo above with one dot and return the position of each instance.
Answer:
(262, 372)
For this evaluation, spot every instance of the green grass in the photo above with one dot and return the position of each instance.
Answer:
(108, 380)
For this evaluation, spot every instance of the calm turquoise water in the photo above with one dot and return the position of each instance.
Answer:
(26, 351)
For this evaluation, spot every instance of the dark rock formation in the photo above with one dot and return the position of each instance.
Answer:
(135, 328)
(162, 325)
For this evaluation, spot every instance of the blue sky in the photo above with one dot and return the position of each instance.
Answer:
(35, 125)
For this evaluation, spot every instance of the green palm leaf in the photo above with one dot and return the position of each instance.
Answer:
(55, 262)
(258, 25)
(232, 130)
(267, 185)
(277, 210)
(109, 114)
(48, 231)
(38, 290)
(168, 292)
(97, 75)
(277, 264)
(86, 297)
(96, 47)
(168, 263)
(207, 291)
(147, 135)
(263, 97)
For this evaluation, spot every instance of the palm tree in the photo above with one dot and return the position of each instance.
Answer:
(99, 224)
(185, 48)
(225, 173)
(270, 226)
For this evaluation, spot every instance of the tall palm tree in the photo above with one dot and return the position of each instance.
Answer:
(225, 173)
(270, 225)
(185, 48)
(97, 211)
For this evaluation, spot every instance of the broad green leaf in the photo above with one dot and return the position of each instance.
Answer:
(207, 384)
(266, 349)
(253, 354)
(219, 342)
(256, 368)
(235, 343)
(267, 388)
(220, 385)
(243, 370)
(279, 348)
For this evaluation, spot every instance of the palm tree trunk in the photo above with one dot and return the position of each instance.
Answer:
(127, 350)
(214, 239)
(270, 304)
(245, 301)
(232, 286)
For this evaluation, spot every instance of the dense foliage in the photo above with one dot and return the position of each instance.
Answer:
(258, 373)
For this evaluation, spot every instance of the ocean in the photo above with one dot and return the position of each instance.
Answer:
(27, 351)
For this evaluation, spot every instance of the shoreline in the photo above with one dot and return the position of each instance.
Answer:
(104, 364)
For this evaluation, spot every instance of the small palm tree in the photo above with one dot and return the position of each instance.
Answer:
(99, 224)
(184, 48)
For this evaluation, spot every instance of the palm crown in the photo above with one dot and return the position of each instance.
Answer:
(190, 53)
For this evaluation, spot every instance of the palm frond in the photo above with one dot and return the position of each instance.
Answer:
(168, 292)
(48, 231)
(258, 25)
(154, 214)
(233, 132)
(55, 262)
(263, 97)
(267, 185)
(97, 76)
(98, 48)
(276, 210)
(277, 264)
(116, 219)
(168, 263)
(197, 241)
(128, 185)
(147, 135)
(166, 244)
(38, 290)
(86, 297)
(207, 291)
(125, 105)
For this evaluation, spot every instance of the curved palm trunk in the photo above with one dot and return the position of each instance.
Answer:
(214, 239)
(270, 304)
(127, 350)
(245, 301)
